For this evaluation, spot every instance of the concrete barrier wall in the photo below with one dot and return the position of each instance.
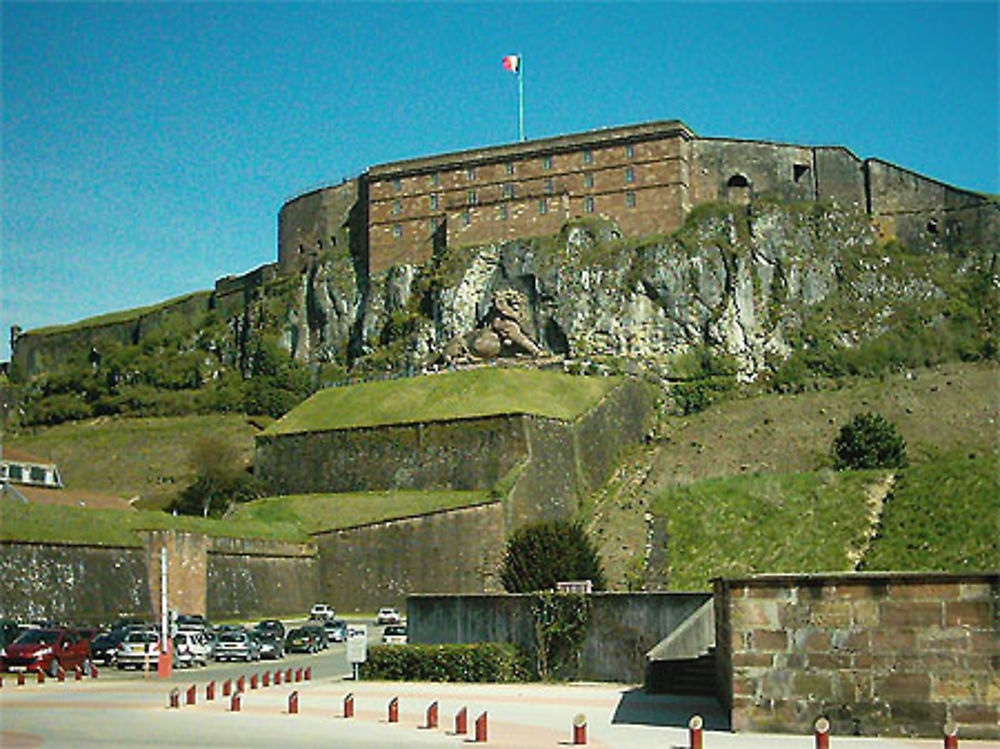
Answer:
(623, 626)
(876, 654)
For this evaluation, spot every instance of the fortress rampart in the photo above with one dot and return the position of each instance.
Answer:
(643, 178)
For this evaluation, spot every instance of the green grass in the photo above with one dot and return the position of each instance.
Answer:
(76, 525)
(321, 512)
(453, 395)
(740, 525)
(943, 515)
(127, 457)
(116, 317)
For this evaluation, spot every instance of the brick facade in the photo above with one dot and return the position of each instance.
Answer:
(876, 654)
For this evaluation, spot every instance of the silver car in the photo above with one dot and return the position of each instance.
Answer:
(236, 646)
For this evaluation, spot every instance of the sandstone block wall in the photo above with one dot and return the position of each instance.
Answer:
(456, 551)
(877, 654)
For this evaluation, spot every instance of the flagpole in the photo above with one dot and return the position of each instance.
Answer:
(520, 94)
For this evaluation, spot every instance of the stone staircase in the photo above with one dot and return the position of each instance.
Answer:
(684, 662)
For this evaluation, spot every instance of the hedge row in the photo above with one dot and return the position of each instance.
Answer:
(478, 662)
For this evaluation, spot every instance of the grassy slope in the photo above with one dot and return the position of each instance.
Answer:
(321, 512)
(115, 317)
(49, 523)
(126, 457)
(943, 515)
(798, 522)
(451, 395)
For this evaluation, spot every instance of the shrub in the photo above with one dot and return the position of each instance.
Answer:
(869, 441)
(540, 555)
(478, 662)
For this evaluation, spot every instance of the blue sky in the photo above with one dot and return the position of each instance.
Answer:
(147, 147)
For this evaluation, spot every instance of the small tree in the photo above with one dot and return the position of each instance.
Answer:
(869, 441)
(540, 555)
(220, 480)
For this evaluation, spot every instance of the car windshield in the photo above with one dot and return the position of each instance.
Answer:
(298, 633)
(142, 637)
(38, 637)
(232, 637)
(395, 630)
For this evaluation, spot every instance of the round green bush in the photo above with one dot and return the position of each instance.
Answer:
(869, 441)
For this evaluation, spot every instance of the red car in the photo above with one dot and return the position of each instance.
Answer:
(46, 650)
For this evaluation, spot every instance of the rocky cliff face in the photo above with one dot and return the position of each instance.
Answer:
(753, 284)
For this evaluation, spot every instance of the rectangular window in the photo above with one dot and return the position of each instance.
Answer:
(471, 198)
(588, 205)
(466, 218)
(397, 206)
(629, 175)
(397, 231)
(588, 180)
(508, 190)
(630, 199)
(502, 212)
(435, 179)
(37, 474)
(548, 185)
(16, 473)
(543, 205)
(547, 162)
(470, 172)
(510, 168)
(397, 184)
(434, 201)
(629, 151)
(588, 157)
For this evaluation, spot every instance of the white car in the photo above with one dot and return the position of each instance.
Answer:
(190, 649)
(394, 634)
(321, 611)
(139, 649)
(387, 615)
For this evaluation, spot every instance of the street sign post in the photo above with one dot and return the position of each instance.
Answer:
(357, 647)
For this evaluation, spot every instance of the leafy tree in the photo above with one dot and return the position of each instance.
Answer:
(869, 441)
(540, 555)
(221, 480)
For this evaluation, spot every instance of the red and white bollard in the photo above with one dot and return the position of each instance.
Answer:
(61, 674)
(277, 678)
(41, 676)
(241, 684)
(481, 732)
(175, 698)
(695, 726)
(265, 680)
(210, 691)
(78, 673)
(20, 678)
(580, 729)
(950, 735)
(93, 671)
(227, 687)
(192, 694)
(394, 710)
(822, 726)
(235, 702)
(288, 675)
(298, 675)
(349, 706)
(432, 715)
(308, 673)
(462, 722)
(293, 703)
(253, 681)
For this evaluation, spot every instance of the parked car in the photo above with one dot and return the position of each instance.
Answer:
(139, 649)
(321, 611)
(191, 622)
(234, 645)
(46, 650)
(272, 645)
(394, 634)
(104, 647)
(387, 615)
(272, 625)
(190, 648)
(336, 630)
(319, 632)
(302, 640)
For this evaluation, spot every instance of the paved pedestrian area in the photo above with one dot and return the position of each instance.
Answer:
(108, 713)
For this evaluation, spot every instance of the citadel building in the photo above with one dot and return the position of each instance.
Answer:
(644, 178)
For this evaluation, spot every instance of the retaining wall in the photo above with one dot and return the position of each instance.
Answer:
(623, 626)
(875, 653)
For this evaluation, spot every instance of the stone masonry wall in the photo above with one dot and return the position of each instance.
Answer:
(875, 653)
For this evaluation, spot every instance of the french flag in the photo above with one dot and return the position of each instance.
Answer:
(512, 63)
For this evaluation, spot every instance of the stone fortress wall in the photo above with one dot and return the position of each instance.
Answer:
(644, 178)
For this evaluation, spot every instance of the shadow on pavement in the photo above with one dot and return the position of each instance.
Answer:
(639, 708)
